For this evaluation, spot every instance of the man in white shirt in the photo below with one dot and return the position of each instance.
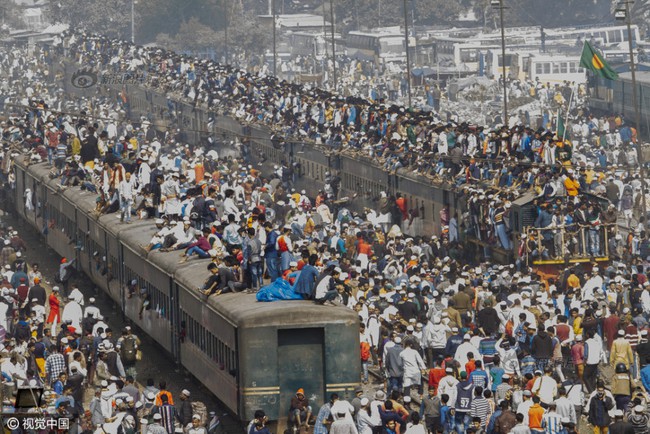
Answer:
(413, 366)
(126, 191)
(463, 349)
(593, 350)
(545, 386)
(434, 339)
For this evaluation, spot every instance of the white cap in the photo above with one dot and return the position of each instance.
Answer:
(185, 392)
(157, 416)
(578, 338)
(467, 337)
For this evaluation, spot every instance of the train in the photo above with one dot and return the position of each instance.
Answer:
(250, 355)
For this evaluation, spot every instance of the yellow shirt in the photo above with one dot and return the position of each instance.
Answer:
(577, 325)
(571, 187)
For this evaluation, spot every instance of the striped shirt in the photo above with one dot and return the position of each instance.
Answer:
(61, 151)
(552, 423)
(481, 408)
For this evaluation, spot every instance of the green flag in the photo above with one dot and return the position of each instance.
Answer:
(594, 62)
(559, 130)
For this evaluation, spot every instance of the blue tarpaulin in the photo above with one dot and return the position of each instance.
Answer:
(278, 290)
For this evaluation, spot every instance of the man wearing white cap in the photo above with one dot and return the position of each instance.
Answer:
(91, 309)
(413, 367)
(185, 412)
(463, 349)
(393, 363)
(434, 339)
(448, 385)
(195, 426)
(621, 351)
(621, 426)
(156, 427)
(72, 312)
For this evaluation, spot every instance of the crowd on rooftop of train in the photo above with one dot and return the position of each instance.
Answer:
(503, 350)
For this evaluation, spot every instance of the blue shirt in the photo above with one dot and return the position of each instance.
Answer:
(645, 377)
(306, 281)
(479, 377)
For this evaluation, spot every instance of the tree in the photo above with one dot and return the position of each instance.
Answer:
(108, 17)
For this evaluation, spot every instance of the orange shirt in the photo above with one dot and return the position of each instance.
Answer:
(470, 367)
(364, 248)
(535, 416)
(170, 400)
(435, 375)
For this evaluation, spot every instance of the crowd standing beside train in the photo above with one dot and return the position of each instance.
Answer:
(88, 371)
(501, 348)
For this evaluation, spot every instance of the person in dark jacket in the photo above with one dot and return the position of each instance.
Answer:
(488, 319)
(541, 348)
(599, 407)
(507, 421)
(38, 292)
(89, 149)
(184, 410)
(75, 382)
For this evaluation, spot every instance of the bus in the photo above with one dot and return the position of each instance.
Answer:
(380, 47)
(308, 44)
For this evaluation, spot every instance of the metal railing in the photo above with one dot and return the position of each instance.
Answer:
(569, 242)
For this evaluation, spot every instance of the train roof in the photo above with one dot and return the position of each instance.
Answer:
(245, 311)
(241, 309)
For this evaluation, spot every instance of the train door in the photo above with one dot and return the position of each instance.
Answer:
(300, 365)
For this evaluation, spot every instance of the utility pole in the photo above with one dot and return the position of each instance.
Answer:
(133, 2)
(275, 46)
(227, 20)
(333, 46)
(499, 4)
(408, 56)
(635, 98)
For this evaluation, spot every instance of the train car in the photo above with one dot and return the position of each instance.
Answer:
(250, 355)
(556, 69)
(267, 351)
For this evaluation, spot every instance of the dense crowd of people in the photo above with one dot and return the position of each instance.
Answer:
(64, 346)
(502, 349)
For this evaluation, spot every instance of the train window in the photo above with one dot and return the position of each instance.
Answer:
(563, 68)
(572, 67)
(539, 68)
(556, 68)
(615, 36)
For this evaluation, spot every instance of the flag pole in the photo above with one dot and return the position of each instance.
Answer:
(566, 121)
